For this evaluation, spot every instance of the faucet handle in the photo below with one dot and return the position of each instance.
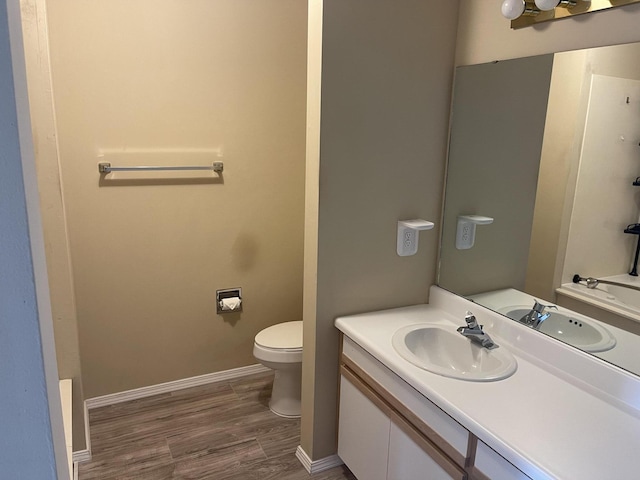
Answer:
(471, 320)
(539, 307)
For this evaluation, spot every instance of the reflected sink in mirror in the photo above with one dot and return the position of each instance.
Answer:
(444, 351)
(573, 329)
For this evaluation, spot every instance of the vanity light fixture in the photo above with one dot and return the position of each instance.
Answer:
(524, 13)
(512, 9)
(546, 5)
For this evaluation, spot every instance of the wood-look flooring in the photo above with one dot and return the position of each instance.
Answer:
(221, 431)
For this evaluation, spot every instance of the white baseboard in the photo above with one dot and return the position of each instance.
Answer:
(168, 387)
(315, 466)
(83, 455)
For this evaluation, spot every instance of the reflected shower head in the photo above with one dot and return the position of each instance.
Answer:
(591, 282)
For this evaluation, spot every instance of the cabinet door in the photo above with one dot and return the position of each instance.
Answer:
(493, 466)
(363, 434)
(407, 461)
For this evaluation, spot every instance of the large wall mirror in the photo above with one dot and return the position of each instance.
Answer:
(540, 188)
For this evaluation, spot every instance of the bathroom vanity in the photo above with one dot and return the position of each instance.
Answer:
(561, 414)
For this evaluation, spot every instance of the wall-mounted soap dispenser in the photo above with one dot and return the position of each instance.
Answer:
(466, 230)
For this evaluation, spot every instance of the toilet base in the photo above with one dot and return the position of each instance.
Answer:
(286, 392)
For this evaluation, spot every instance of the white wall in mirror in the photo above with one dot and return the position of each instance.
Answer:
(605, 199)
(569, 101)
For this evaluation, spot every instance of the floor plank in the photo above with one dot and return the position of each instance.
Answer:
(221, 431)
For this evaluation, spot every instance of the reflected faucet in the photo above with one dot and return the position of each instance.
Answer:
(537, 315)
(474, 332)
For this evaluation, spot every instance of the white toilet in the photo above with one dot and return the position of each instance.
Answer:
(279, 347)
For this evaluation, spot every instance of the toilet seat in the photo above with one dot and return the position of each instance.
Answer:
(276, 355)
(283, 337)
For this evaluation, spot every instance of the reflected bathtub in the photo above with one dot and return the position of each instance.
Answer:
(619, 300)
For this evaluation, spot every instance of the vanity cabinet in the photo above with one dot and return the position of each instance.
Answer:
(375, 447)
(489, 465)
(388, 431)
(363, 437)
(408, 461)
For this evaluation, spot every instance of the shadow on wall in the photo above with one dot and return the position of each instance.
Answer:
(244, 252)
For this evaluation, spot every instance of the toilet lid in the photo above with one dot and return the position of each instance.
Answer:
(286, 335)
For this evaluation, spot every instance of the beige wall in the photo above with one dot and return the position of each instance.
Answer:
(311, 367)
(148, 255)
(616, 61)
(387, 69)
(564, 127)
(35, 34)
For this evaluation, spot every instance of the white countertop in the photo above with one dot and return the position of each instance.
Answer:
(545, 419)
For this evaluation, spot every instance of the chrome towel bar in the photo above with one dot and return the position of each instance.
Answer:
(105, 167)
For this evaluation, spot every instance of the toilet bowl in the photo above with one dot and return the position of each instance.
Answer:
(279, 347)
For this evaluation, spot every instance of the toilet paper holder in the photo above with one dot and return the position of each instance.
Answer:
(228, 300)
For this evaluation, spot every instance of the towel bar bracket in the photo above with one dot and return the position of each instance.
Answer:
(218, 167)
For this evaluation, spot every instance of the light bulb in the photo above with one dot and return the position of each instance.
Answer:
(512, 9)
(547, 4)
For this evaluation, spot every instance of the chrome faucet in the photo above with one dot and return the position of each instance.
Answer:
(474, 332)
(537, 315)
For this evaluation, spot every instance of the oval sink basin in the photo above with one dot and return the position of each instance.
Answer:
(573, 329)
(446, 352)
